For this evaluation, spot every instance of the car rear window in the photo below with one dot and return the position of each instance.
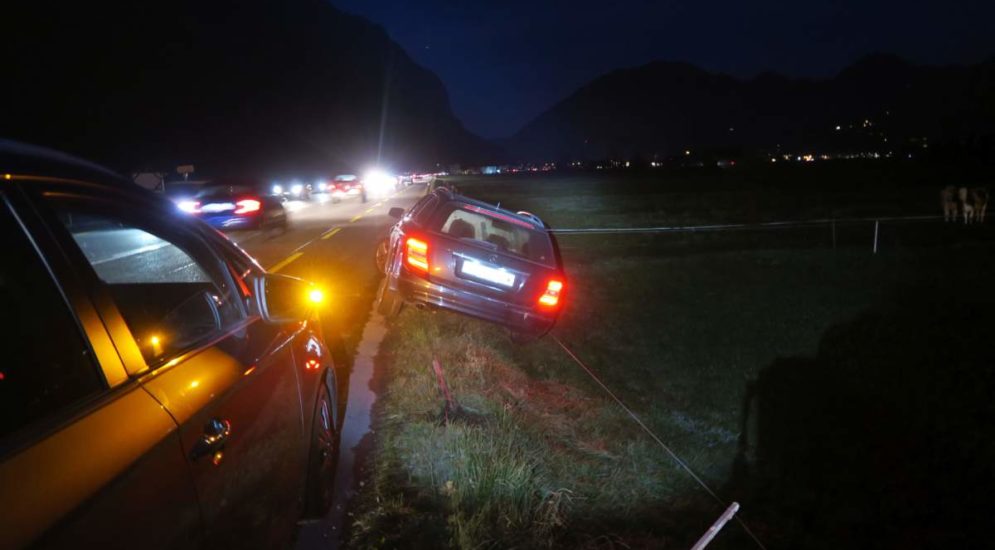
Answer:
(225, 192)
(500, 231)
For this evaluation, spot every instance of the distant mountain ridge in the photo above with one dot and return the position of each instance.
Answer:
(228, 85)
(664, 108)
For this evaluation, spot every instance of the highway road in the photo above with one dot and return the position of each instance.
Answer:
(333, 245)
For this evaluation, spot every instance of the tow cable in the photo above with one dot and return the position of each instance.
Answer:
(730, 509)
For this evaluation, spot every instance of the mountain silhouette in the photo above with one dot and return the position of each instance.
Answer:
(247, 86)
(663, 108)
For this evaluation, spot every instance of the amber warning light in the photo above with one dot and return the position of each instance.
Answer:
(316, 296)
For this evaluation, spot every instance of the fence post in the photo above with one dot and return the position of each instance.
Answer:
(876, 224)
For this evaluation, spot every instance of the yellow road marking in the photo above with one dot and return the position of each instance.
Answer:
(356, 218)
(286, 261)
(370, 209)
(331, 233)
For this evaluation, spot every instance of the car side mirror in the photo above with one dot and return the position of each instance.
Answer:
(283, 299)
(396, 212)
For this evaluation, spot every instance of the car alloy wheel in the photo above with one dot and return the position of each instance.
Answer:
(324, 449)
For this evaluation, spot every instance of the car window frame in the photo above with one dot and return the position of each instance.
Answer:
(100, 348)
(120, 333)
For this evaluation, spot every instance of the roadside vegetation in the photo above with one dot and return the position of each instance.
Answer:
(793, 377)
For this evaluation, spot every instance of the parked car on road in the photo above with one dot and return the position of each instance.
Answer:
(456, 253)
(229, 207)
(158, 388)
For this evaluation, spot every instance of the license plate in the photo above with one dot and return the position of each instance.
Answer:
(489, 274)
(217, 207)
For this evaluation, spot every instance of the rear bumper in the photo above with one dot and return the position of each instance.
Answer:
(419, 291)
(233, 222)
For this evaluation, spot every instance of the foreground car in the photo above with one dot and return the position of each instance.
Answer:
(455, 253)
(159, 388)
(230, 207)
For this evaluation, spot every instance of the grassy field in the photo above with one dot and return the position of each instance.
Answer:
(837, 395)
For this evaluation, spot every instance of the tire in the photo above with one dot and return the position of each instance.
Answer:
(323, 456)
(388, 301)
(381, 257)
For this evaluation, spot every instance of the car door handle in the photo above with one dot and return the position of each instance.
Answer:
(216, 433)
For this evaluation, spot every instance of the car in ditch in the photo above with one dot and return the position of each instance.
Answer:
(455, 253)
(158, 388)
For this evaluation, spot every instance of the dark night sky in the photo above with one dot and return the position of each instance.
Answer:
(505, 62)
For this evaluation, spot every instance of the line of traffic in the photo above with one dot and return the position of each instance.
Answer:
(298, 252)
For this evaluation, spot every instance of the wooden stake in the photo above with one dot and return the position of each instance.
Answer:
(443, 387)
(716, 527)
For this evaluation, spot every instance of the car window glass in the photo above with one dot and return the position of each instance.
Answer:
(171, 290)
(46, 363)
(498, 231)
(423, 210)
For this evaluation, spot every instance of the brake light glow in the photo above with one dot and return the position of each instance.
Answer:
(312, 364)
(416, 253)
(246, 206)
(551, 297)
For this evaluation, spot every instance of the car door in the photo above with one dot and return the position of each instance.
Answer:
(87, 456)
(177, 314)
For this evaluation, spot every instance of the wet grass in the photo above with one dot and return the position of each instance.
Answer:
(757, 357)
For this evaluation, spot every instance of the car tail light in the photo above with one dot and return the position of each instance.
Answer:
(551, 297)
(416, 254)
(246, 206)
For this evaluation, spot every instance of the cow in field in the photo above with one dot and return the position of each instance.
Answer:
(973, 203)
(948, 199)
(966, 204)
(979, 196)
